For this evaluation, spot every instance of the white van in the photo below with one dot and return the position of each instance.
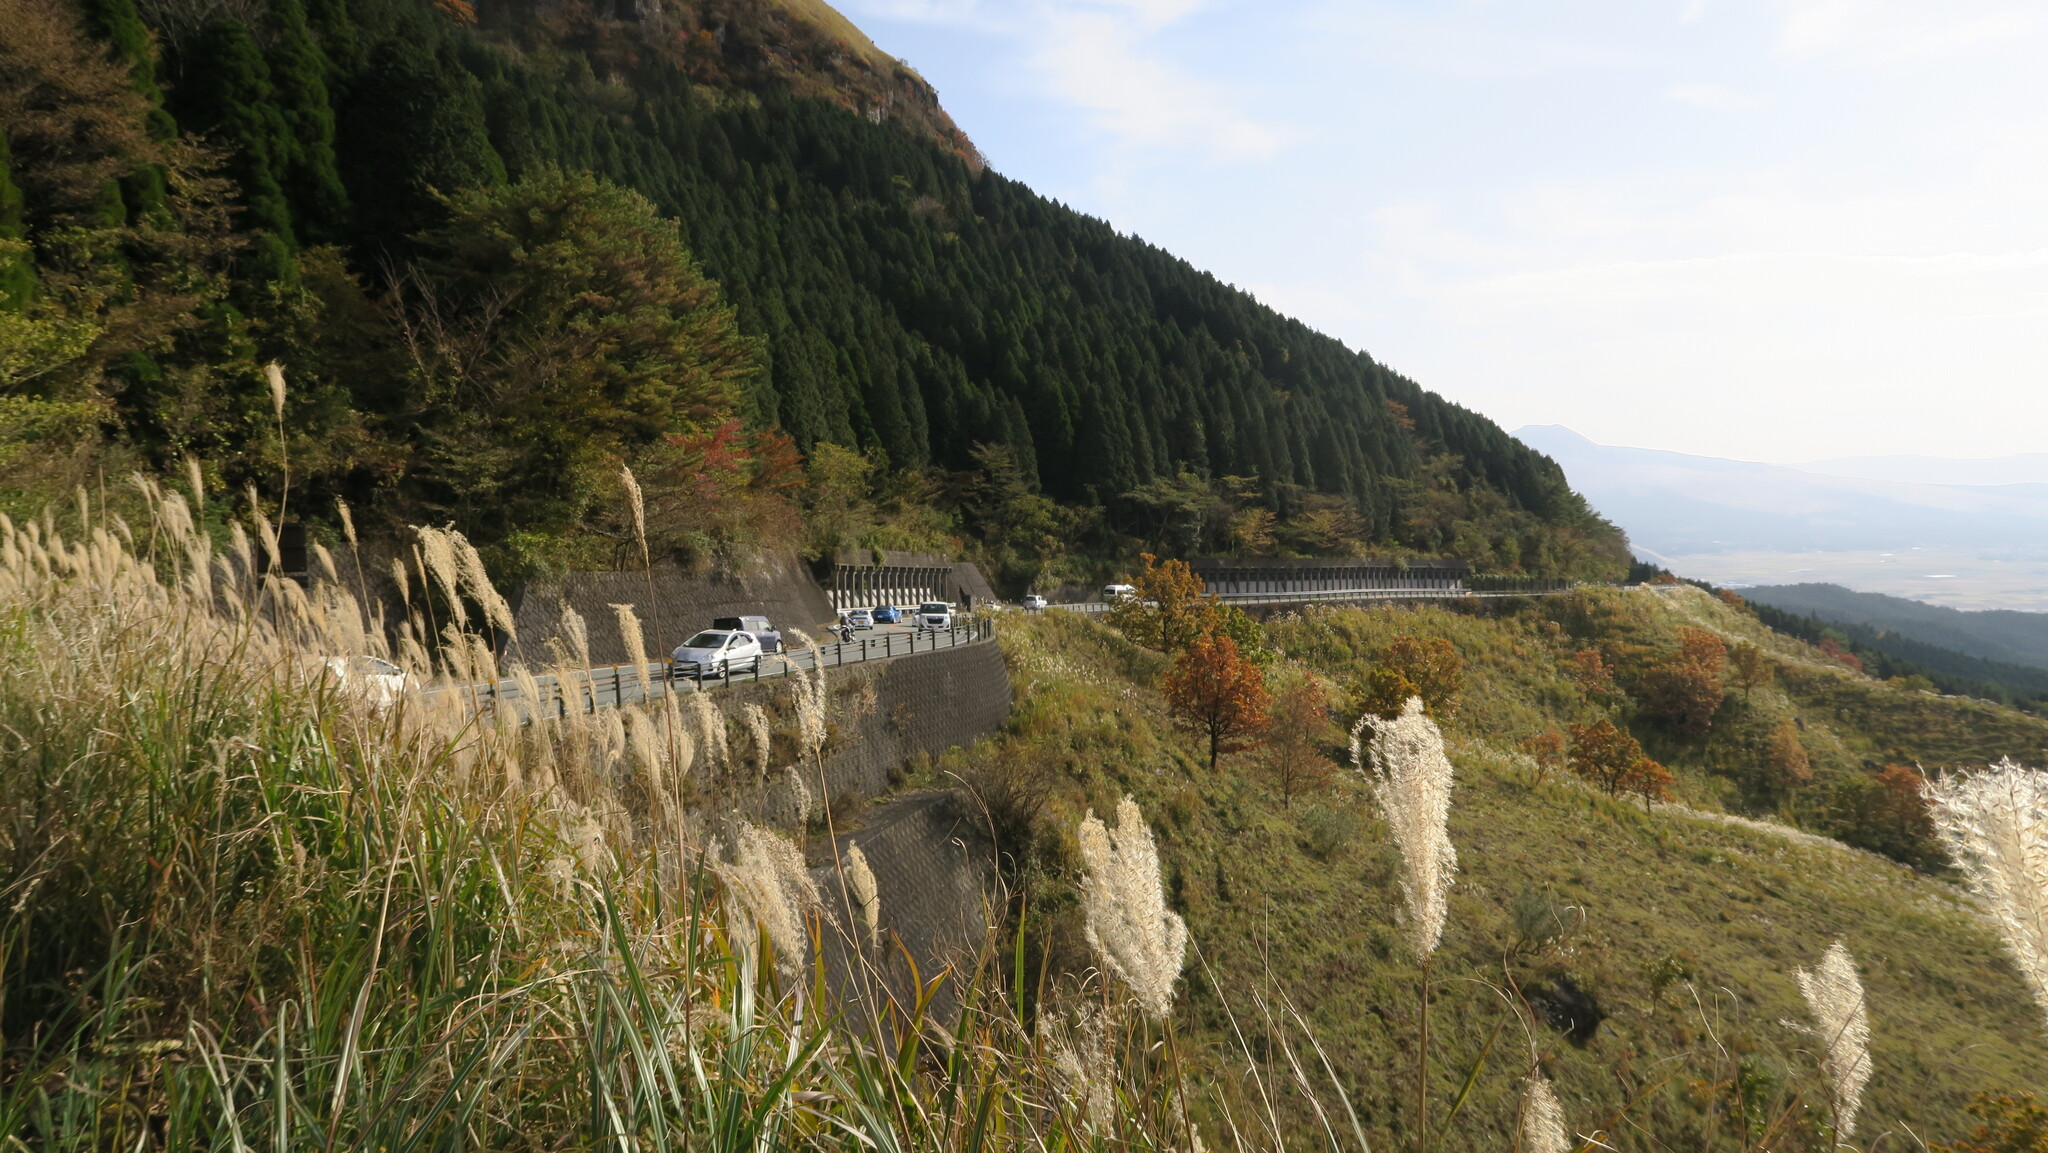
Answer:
(1114, 593)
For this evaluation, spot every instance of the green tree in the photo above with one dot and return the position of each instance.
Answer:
(17, 259)
(309, 174)
(558, 326)
(233, 101)
(1019, 525)
(1748, 667)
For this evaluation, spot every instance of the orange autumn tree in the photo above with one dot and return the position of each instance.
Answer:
(1685, 687)
(1171, 608)
(1215, 691)
(1609, 756)
(1411, 666)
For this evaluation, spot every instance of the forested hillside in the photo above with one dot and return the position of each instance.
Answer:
(782, 247)
(2003, 635)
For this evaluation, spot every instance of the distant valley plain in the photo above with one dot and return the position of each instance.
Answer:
(1960, 533)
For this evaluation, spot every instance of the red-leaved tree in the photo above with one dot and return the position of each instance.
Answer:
(1212, 689)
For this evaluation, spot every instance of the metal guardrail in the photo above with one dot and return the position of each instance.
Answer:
(611, 686)
(1350, 596)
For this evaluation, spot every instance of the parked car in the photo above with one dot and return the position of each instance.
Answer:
(769, 636)
(377, 680)
(1033, 602)
(1115, 593)
(886, 614)
(858, 618)
(935, 615)
(713, 652)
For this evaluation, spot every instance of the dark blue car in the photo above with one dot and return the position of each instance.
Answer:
(887, 615)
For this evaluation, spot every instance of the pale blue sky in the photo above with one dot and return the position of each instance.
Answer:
(1769, 229)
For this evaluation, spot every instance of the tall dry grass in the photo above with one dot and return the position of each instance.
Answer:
(245, 905)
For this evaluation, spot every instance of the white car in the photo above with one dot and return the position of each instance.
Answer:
(935, 615)
(1033, 602)
(1114, 593)
(375, 679)
(858, 618)
(713, 652)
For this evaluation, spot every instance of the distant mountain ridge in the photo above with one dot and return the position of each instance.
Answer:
(1675, 503)
(2001, 635)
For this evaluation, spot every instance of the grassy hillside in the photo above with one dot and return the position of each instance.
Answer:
(242, 906)
(1683, 924)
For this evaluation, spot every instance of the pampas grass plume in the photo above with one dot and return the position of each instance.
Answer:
(862, 880)
(711, 732)
(636, 644)
(441, 565)
(1136, 938)
(1834, 994)
(1994, 824)
(1543, 1126)
(767, 884)
(475, 578)
(1411, 780)
(764, 739)
(273, 373)
(638, 504)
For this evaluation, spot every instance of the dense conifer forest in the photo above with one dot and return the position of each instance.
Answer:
(502, 248)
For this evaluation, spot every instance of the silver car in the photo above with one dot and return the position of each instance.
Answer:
(374, 679)
(935, 615)
(712, 652)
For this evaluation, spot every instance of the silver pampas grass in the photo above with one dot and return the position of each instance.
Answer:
(1994, 824)
(1834, 994)
(866, 893)
(1136, 938)
(766, 884)
(1411, 780)
(1543, 1127)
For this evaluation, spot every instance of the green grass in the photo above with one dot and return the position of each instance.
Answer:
(241, 910)
(1684, 927)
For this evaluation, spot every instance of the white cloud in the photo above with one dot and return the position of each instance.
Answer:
(1103, 58)
(1880, 32)
(1521, 204)
(1713, 96)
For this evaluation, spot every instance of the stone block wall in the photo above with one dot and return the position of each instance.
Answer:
(681, 603)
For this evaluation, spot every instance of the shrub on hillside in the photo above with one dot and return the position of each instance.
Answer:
(2010, 1123)
(1684, 688)
(1885, 813)
(1611, 758)
(1294, 761)
(1786, 763)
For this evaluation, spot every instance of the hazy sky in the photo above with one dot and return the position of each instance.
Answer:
(1769, 229)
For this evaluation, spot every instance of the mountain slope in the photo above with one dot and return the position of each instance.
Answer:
(1673, 503)
(902, 300)
(1679, 928)
(2002, 635)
